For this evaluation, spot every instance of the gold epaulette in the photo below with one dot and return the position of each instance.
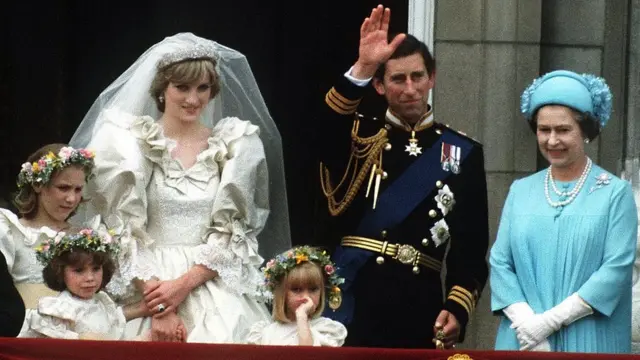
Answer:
(366, 155)
(339, 103)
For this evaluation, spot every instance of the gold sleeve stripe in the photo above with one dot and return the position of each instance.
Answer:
(331, 99)
(462, 303)
(342, 99)
(340, 107)
(461, 296)
(466, 292)
(337, 108)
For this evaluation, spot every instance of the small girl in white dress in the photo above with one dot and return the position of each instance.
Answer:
(297, 280)
(80, 265)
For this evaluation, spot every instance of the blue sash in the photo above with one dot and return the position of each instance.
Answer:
(394, 205)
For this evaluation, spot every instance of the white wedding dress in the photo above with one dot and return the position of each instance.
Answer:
(172, 218)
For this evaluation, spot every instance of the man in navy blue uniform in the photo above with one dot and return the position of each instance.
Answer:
(406, 196)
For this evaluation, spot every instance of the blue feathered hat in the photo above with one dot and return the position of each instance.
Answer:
(585, 93)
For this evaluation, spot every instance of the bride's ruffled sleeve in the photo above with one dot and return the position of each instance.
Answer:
(117, 195)
(240, 208)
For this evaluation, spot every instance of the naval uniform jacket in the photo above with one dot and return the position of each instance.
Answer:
(388, 303)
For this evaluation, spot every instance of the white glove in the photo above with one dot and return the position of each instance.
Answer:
(533, 331)
(538, 327)
(519, 313)
(569, 310)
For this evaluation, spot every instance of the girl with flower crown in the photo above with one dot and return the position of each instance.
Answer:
(79, 265)
(561, 265)
(298, 280)
(50, 186)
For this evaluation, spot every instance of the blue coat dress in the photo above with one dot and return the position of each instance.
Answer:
(544, 254)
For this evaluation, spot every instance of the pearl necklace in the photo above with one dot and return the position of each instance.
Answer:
(573, 193)
(575, 189)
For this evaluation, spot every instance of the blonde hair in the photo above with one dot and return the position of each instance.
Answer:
(184, 72)
(307, 274)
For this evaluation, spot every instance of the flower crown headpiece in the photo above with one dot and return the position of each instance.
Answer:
(39, 172)
(276, 269)
(598, 90)
(195, 51)
(86, 239)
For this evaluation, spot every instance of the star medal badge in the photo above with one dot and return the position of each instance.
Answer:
(413, 149)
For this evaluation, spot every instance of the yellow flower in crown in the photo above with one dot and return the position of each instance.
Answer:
(39, 172)
(300, 257)
(276, 269)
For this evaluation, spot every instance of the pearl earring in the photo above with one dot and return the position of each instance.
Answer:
(586, 141)
(161, 98)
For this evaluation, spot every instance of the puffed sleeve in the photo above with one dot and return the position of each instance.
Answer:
(327, 332)
(55, 318)
(117, 195)
(240, 208)
(607, 285)
(256, 333)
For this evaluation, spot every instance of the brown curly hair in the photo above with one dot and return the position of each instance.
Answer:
(26, 199)
(53, 273)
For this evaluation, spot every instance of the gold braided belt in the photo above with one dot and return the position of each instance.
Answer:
(405, 254)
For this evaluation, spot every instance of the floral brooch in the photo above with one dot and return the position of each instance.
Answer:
(601, 180)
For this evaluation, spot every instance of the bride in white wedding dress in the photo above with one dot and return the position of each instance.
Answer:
(191, 190)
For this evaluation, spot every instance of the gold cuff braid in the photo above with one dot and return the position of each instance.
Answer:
(464, 297)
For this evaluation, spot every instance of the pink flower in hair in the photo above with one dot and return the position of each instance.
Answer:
(65, 152)
(87, 153)
(329, 269)
(86, 232)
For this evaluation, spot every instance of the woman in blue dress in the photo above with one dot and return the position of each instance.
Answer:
(561, 265)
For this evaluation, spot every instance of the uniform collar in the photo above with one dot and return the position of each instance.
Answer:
(426, 121)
